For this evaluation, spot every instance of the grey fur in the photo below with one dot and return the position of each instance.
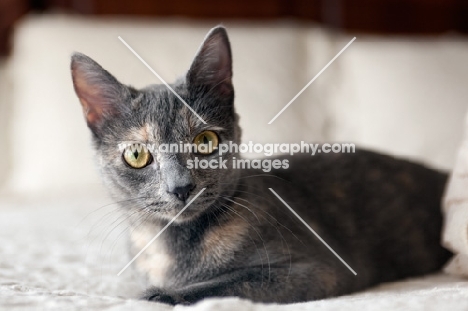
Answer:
(379, 213)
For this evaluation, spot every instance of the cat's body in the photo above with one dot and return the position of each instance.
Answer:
(380, 214)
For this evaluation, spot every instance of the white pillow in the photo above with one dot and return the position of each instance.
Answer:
(455, 233)
(5, 108)
(51, 149)
(400, 95)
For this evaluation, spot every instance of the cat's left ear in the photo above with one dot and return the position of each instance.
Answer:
(212, 66)
(101, 95)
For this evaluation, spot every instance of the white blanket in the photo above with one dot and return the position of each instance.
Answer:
(455, 234)
(57, 254)
(383, 93)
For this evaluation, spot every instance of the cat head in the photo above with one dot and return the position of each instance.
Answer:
(139, 175)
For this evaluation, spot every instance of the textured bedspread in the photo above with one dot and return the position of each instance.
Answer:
(65, 254)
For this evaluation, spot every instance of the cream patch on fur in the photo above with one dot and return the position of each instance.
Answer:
(143, 134)
(221, 242)
(154, 262)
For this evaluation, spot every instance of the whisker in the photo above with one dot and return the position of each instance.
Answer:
(112, 230)
(276, 228)
(106, 205)
(259, 235)
(255, 215)
(276, 220)
(145, 215)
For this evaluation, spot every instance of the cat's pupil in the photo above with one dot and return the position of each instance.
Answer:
(205, 140)
(135, 154)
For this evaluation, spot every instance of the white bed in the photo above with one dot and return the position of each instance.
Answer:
(398, 95)
(51, 258)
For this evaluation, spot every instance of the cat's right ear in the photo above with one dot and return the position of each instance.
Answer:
(100, 94)
(212, 66)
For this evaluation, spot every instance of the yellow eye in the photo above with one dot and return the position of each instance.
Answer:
(137, 156)
(207, 142)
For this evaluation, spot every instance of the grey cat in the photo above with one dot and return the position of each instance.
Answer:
(381, 214)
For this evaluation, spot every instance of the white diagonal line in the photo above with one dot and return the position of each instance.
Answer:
(313, 79)
(312, 230)
(160, 232)
(162, 80)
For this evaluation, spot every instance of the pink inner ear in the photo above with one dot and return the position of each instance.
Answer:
(212, 65)
(92, 116)
(91, 97)
(218, 60)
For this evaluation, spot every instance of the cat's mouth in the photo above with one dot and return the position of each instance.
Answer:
(167, 210)
(156, 206)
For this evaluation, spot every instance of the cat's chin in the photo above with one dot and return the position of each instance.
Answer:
(168, 216)
(191, 213)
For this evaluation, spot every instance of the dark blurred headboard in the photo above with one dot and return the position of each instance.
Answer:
(371, 16)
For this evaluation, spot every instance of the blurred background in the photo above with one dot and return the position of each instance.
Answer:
(400, 88)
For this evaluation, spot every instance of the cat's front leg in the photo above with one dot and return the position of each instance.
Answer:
(170, 297)
(193, 293)
(276, 285)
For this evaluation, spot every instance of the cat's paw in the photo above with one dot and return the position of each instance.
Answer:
(164, 296)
